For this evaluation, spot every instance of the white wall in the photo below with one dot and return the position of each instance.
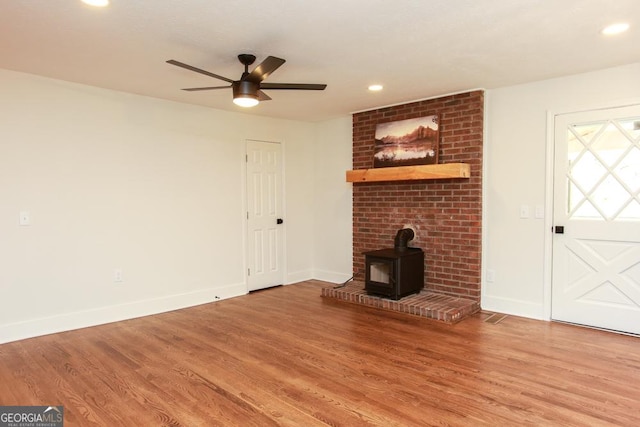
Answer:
(113, 180)
(515, 165)
(333, 201)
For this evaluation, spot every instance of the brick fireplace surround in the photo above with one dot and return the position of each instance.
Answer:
(446, 214)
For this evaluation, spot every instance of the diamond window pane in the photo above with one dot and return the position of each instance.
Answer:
(610, 144)
(610, 157)
(610, 196)
(587, 171)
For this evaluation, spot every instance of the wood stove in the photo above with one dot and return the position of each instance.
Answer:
(395, 272)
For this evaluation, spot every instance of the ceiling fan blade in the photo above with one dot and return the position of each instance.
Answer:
(263, 96)
(193, 89)
(293, 86)
(197, 70)
(265, 68)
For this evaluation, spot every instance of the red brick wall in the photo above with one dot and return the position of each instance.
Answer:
(446, 214)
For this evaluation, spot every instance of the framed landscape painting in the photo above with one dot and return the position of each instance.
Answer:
(407, 142)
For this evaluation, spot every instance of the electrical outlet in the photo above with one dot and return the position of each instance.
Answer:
(117, 275)
(25, 218)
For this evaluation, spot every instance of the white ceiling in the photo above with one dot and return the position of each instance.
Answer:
(416, 48)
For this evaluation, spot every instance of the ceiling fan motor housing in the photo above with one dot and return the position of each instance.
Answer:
(245, 88)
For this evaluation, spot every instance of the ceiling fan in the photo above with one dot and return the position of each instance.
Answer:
(247, 91)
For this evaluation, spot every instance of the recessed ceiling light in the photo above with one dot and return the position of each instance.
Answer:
(614, 29)
(375, 88)
(96, 3)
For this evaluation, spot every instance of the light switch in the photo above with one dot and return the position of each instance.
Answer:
(524, 211)
(491, 276)
(539, 211)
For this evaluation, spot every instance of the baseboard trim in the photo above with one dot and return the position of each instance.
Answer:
(114, 313)
(513, 307)
(298, 276)
(331, 276)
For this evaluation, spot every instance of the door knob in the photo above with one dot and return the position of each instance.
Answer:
(279, 221)
(559, 229)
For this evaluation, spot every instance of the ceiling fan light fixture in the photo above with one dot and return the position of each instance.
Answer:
(96, 3)
(245, 94)
(614, 29)
(246, 101)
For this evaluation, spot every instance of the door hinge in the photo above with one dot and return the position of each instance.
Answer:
(247, 214)
(246, 158)
(248, 272)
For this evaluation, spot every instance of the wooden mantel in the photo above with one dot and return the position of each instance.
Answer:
(409, 173)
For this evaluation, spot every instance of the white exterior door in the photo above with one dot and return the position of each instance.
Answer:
(264, 215)
(596, 256)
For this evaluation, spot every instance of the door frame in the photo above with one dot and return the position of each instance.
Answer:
(549, 189)
(245, 209)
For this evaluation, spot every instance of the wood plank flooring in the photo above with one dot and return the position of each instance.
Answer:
(287, 357)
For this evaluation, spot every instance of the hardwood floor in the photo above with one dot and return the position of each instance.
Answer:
(286, 356)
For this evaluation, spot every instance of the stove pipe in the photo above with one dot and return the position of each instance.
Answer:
(402, 239)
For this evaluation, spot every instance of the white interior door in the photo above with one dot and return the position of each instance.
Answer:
(596, 256)
(264, 215)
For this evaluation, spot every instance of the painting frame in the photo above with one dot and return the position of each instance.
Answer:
(408, 142)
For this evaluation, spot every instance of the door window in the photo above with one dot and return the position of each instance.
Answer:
(604, 170)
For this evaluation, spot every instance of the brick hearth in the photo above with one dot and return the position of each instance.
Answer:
(432, 305)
